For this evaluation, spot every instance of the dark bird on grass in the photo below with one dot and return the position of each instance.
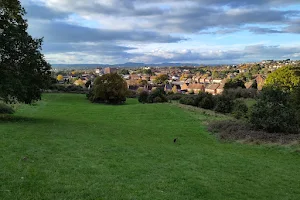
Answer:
(175, 140)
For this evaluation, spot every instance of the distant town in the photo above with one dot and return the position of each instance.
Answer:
(184, 79)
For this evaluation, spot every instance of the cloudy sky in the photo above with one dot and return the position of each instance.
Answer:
(156, 31)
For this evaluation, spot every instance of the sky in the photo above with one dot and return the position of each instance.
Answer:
(159, 31)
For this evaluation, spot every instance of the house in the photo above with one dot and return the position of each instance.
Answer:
(109, 70)
(249, 84)
(202, 79)
(217, 80)
(184, 87)
(212, 88)
(134, 77)
(196, 88)
(145, 77)
(208, 80)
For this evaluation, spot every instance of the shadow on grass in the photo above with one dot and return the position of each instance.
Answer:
(18, 119)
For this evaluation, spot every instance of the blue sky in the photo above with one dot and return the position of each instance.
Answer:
(195, 31)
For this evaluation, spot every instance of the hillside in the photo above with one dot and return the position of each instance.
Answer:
(67, 148)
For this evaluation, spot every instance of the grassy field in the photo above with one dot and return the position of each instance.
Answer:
(67, 148)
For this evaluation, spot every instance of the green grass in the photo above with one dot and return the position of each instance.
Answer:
(78, 150)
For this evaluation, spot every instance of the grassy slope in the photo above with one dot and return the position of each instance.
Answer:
(77, 150)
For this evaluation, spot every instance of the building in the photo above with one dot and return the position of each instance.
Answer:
(109, 70)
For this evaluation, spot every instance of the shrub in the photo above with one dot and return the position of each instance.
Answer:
(131, 94)
(6, 109)
(158, 92)
(240, 93)
(143, 97)
(207, 102)
(240, 109)
(158, 100)
(274, 113)
(224, 104)
(188, 100)
(175, 96)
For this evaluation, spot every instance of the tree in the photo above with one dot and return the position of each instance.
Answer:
(161, 79)
(273, 112)
(142, 82)
(23, 69)
(60, 77)
(124, 72)
(285, 78)
(109, 88)
(174, 89)
(234, 83)
(215, 74)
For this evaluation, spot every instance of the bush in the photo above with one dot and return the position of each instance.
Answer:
(207, 102)
(224, 104)
(240, 109)
(156, 96)
(188, 100)
(274, 113)
(143, 97)
(175, 96)
(158, 92)
(240, 93)
(131, 94)
(6, 109)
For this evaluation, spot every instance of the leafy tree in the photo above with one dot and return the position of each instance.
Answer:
(23, 69)
(142, 82)
(215, 74)
(174, 89)
(285, 78)
(60, 77)
(109, 88)
(234, 83)
(273, 112)
(124, 71)
(161, 79)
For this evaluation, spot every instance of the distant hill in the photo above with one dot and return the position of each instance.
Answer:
(129, 64)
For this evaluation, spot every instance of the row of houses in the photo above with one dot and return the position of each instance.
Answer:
(183, 87)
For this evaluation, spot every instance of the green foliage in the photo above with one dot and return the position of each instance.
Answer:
(273, 112)
(23, 69)
(109, 88)
(240, 93)
(188, 100)
(124, 71)
(234, 83)
(240, 109)
(143, 97)
(88, 84)
(285, 78)
(157, 96)
(161, 79)
(224, 104)
(6, 109)
(205, 100)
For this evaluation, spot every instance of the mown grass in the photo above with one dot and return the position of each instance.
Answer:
(68, 148)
